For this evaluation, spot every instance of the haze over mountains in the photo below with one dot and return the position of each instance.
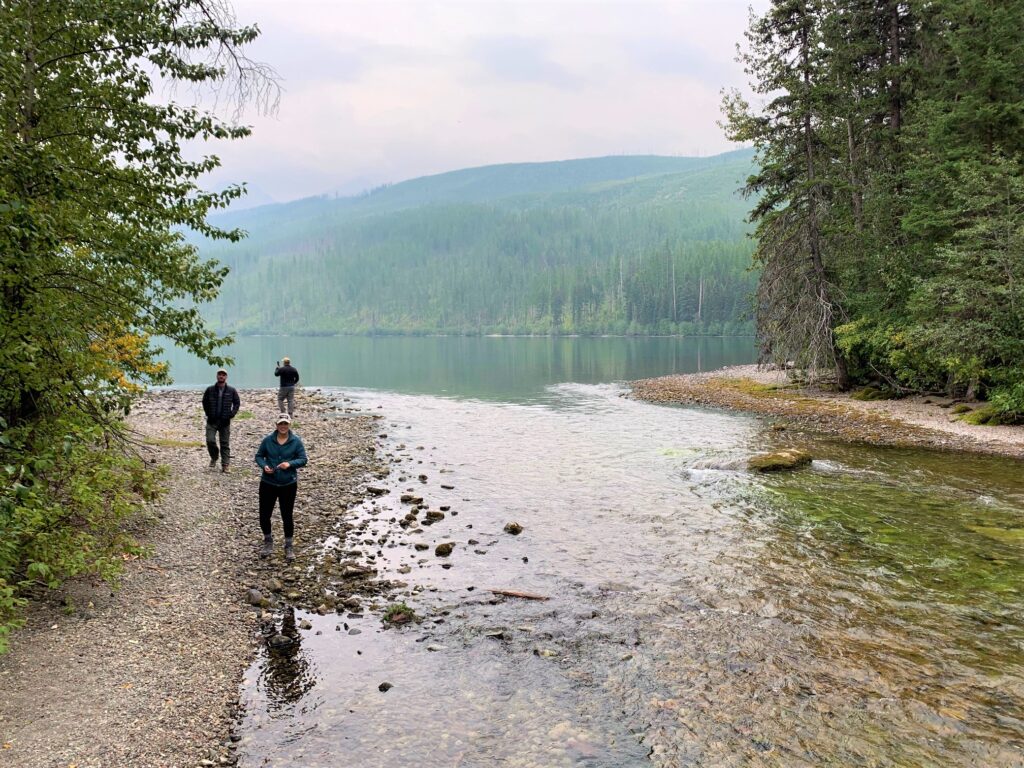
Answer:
(629, 244)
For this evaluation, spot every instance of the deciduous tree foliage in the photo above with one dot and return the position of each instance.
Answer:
(95, 189)
(909, 116)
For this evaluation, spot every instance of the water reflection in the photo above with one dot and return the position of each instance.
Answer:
(286, 675)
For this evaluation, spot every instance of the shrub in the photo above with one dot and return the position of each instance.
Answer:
(68, 488)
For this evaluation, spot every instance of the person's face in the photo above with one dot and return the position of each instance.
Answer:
(222, 378)
(282, 428)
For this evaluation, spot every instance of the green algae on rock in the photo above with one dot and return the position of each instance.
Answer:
(779, 461)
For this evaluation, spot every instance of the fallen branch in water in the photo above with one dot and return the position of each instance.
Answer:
(524, 595)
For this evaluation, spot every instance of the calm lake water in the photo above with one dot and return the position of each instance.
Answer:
(492, 368)
(864, 612)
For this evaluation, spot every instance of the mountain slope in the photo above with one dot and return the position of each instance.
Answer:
(617, 244)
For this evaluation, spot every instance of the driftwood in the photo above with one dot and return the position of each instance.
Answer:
(524, 595)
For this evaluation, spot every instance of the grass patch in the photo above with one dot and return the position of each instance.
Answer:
(243, 415)
(166, 442)
(961, 408)
(987, 416)
(399, 613)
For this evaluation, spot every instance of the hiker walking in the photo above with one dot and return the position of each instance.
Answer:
(289, 376)
(280, 455)
(220, 404)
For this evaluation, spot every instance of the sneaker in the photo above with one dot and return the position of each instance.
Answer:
(267, 549)
(289, 550)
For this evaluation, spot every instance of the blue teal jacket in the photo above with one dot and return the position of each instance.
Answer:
(271, 453)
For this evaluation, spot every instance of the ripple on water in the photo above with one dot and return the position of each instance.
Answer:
(866, 611)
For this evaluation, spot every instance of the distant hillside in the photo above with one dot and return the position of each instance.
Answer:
(606, 245)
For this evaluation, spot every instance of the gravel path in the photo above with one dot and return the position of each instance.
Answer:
(912, 421)
(147, 674)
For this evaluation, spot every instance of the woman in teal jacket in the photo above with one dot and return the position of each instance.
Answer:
(280, 455)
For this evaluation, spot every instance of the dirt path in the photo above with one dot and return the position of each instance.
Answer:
(148, 674)
(913, 421)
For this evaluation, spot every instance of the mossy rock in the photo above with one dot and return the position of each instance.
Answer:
(779, 461)
(961, 408)
(872, 393)
(1005, 535)
(983, 416)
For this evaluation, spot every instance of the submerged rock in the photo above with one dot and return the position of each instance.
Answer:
(779, 461)
(443, 550)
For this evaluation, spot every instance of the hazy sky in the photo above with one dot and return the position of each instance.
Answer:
(380, 91)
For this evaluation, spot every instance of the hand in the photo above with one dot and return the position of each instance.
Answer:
(268, 469)
(283, 465)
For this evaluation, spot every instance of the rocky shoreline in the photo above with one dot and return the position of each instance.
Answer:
(148, 674)
(924, 422)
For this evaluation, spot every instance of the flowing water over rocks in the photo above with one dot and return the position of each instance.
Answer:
(863, 611)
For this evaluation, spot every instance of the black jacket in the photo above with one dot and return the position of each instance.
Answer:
(289, 375)
(220, 410)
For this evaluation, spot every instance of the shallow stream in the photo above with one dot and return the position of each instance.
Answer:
(863, 612)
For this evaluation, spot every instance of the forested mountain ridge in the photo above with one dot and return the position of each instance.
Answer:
(617, 244)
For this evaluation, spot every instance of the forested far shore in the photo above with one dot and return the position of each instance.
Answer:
(622, 245)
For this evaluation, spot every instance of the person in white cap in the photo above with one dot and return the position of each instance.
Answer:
(279, 456)
(289, 376)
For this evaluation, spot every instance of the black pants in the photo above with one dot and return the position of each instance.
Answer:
(268, 495)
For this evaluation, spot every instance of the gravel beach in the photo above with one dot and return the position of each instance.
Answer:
(147, 673)
(913, 421)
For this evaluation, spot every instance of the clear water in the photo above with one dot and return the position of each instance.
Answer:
(864, 612)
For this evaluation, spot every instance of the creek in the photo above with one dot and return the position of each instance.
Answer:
(864, 611)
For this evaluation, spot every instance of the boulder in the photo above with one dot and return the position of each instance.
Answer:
(779, 461)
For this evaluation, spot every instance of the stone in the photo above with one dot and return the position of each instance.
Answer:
(385, 687)
(255, 597)
(779, 461)
(514, 528)
(445, 549)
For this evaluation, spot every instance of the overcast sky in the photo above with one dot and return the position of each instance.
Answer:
(379, 91)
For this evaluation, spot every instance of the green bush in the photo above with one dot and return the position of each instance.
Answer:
(68, 488)
(1008, 400)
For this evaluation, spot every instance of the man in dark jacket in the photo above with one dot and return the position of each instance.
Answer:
(220, 403)
(289, 376)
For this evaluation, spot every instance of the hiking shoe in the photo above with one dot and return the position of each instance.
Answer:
(226, 469)
(289, 551)
(213, 463)
(267, 549)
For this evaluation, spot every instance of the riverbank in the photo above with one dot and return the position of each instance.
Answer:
(148, 674)
(910, 422)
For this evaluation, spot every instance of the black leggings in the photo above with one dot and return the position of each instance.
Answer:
(268, 495)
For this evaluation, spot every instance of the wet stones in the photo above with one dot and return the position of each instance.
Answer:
(445, 549)
(513, 528)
